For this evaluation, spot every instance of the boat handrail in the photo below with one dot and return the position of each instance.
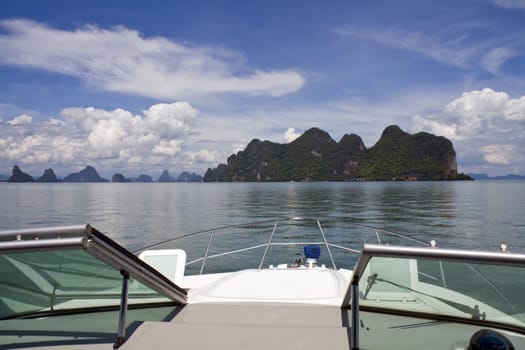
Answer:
(370, 251)
(93, 242)
(271, 243)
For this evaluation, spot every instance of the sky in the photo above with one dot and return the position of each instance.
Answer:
(136, 87)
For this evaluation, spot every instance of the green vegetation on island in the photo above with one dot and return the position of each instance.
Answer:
(315, 156)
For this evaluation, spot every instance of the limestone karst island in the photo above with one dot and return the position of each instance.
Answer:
(315, 156)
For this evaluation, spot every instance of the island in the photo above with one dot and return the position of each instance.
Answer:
(90, 174)
(315, 156)
(19, 176)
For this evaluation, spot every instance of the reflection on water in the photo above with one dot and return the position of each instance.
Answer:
(478, 214)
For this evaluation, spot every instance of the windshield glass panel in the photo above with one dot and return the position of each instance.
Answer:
(46, 281)
(460, 289)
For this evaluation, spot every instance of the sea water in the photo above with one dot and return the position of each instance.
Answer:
(470, 214)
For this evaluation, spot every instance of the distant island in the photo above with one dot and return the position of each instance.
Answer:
(501, 177)
(315, 156)
(90, 174)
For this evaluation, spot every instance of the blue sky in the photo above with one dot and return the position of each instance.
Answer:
(141, 86)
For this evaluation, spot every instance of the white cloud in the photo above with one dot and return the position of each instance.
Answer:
(107, 138)
(453, 51)
(113, 139)
(499, 154)
(168, 147)
(21, 120)
(489, 126)
(458, 49)
(485, 103)
(170, 120)
(436, 126)
(515, 109)
(475, 112)
(511, 4)
(495, 58)
(205, 156)
(291, 135)
(120, 59)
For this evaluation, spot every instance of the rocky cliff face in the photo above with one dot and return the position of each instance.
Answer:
(187, 177)
(119, 178)
(48, 176)
(19, 176)
(402, 156)
(144, 178)
(183, 177)
(166, 177)
(89, 174)
(315, 156)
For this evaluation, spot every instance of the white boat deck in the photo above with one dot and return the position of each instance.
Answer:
(278, 308)
(286, 285)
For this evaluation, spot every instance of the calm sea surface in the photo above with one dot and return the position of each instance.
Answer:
(475, 214)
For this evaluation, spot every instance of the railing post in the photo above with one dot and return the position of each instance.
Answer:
(326, 245)
(377, 236)
(207, 251)
(268, 244)
(123, 310)
(354, 325)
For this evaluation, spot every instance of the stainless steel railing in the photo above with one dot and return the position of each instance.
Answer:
(273, 229)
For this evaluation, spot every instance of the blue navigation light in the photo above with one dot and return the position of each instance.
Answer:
(312, 251)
